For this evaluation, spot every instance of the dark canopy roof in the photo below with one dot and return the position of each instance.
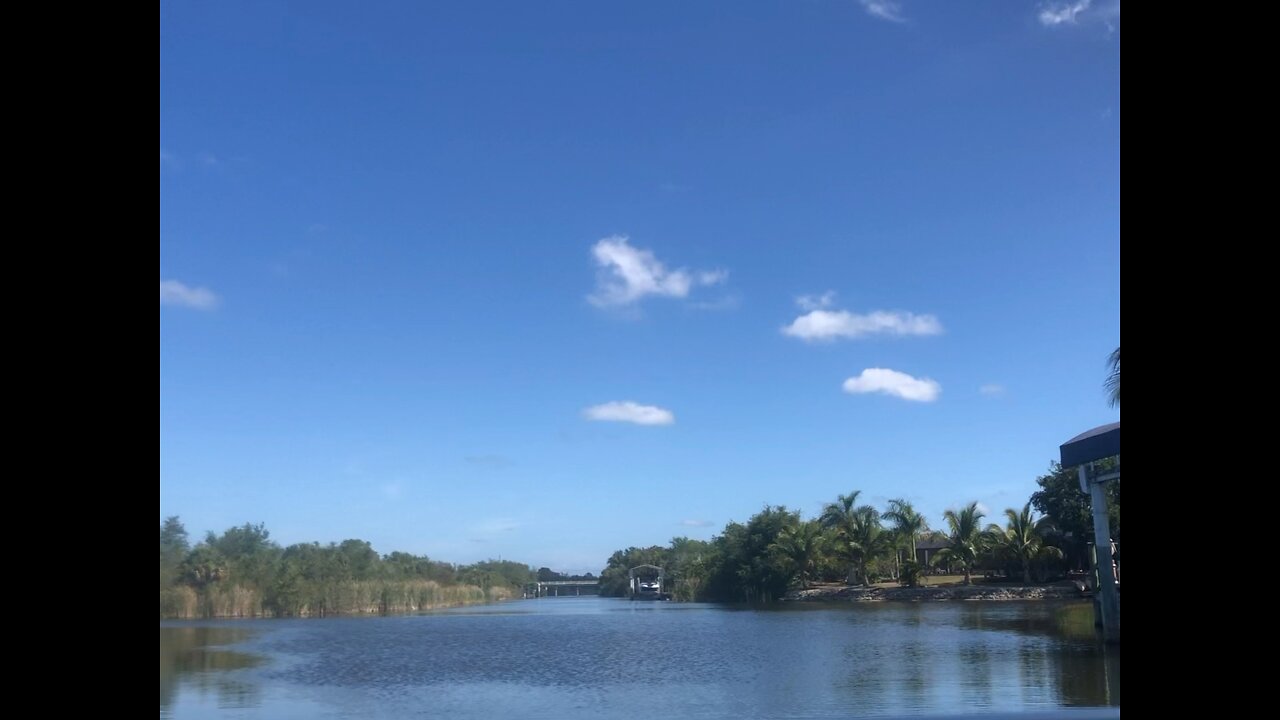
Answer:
(1096, 444)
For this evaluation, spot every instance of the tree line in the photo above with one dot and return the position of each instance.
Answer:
(778, 549)
(546, 574)
(243, 573)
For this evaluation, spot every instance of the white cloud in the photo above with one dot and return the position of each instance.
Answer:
(816, 302)
(173, 292)
(892, 382)
(991, 389)
(890, 10)
(627, 274)
(696, 523)
(629, 412)
(1069, 13)
(821, 323)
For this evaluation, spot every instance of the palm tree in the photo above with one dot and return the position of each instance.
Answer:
(1113, 378)
(1023, 539)
(204, 566)
(965, 538)
(907, 523)
(800, 546)
(841, 516)
(866, 540)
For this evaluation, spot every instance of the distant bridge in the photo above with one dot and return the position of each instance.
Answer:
(561, 588)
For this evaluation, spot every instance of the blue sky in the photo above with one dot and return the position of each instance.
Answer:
(543, 280)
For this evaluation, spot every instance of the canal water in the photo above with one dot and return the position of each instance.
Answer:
(605, 658)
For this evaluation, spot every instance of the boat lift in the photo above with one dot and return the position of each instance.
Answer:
(647, 582)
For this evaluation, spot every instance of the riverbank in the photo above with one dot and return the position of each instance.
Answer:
(335, 599)
(840, 593)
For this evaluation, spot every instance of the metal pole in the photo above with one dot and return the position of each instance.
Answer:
(1107, 594)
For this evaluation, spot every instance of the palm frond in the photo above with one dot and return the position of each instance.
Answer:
(1112, 383)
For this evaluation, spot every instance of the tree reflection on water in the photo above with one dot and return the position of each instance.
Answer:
(191, 660)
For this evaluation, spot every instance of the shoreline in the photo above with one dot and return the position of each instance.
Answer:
(962, 593)
(367, 612)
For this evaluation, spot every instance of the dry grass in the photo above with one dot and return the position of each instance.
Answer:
(349, 598)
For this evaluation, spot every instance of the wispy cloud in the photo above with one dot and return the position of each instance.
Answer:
(175, 293)
(992, 389)
(696, 523)
(392, 491)
(895, 383)
(713, 277)
(1079, 12)
(890, 10)
(166, 156)
(822, 323)
(1062, 13)
(816, 302)
(628, 274)
(495, 526)
(631, 412)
